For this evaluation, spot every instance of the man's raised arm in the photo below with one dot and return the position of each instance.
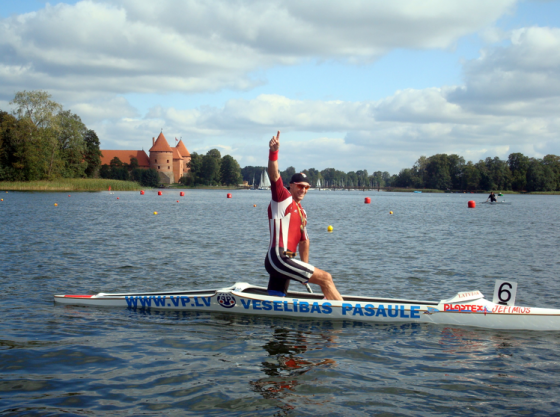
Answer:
(274, 146)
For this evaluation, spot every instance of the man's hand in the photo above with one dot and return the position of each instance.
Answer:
(274, 143)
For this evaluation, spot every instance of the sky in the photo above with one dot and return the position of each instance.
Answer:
(351, 85)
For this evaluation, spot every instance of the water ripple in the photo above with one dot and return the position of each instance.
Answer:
(88, 361)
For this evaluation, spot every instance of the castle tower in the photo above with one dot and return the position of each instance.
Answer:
(186, 157)
(161, 159)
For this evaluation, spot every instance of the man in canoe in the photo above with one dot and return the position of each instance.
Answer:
(287, 221)
(491, 197)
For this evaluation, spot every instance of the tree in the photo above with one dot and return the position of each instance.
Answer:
(518, 165)
(312, 175)
(362, 177)
(351, 179)
(456, 168)
(471, 177)
(404, 178)
(252, 174)
(37, 107)
(105, 171)
(437, 172)
(387, 178)
(116, 163)
(211, 167)
(287, 175)
(485, 181)
(45, 141)
(40, 132)
(133, 163)
(230, 171)
(419, 170)
(195, 169)
(92, 154)
(22, 156)
(553, 162)
(149, 178)
(540, 177)
(72, 145)
(377, 179)
(499, 173)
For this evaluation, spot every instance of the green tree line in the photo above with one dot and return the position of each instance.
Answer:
(118, 170)
(42, 141)
(450, 172)
(329, 177)
(212, 170)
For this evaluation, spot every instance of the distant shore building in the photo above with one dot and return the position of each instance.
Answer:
(170, 163)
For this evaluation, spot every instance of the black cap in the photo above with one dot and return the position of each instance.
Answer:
(300, 177)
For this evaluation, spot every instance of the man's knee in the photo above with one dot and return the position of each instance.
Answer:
(321, 277)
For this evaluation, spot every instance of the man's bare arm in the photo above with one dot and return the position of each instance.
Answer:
(274, 146)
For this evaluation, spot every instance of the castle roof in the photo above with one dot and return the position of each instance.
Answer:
(125, 156)
(176, 154)
(182, 148)
(161, 145)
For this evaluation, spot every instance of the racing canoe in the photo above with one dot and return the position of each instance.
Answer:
(493, 203)
(464, 309)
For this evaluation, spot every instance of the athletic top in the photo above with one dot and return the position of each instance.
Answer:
(285, 219)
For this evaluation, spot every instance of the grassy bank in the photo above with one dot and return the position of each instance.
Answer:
(71, 184)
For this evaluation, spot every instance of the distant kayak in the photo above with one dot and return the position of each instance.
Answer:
(495, 202)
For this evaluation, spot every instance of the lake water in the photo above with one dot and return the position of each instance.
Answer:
(57, 360)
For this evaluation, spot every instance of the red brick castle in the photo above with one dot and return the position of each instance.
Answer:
(170, 163)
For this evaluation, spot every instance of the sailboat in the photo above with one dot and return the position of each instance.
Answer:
(265, 182)
(253, 185)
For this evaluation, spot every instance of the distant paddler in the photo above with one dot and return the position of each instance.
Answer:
(492, 197)
(287, 225)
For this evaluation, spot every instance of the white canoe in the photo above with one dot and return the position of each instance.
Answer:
(464, 309)
(493, 203)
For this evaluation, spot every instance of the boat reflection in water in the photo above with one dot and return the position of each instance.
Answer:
(287, 365)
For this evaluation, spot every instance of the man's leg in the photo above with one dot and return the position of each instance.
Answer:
(324, 280)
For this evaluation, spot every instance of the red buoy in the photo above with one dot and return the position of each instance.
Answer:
(472, 204)
(142, 192)
(229, 195)
(367, 200)
(182, 193)
(159, 193)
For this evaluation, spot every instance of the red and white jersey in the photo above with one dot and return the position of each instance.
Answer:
(284, 219)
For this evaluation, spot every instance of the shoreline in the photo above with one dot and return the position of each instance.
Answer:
(71, 184)
(96, 185)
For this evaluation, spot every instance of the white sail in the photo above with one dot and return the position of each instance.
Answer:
(318, 183)
(265, 182)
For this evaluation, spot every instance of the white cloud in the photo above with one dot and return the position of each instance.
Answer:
(508, 79)
(88, 55)
(192, 46)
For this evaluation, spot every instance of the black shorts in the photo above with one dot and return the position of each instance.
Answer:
(282, 269)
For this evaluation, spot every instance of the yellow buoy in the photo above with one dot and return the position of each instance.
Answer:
(55, 204)
(155, 212)
(1, 199)
(330, 228)
(254, 205)
(390, 212)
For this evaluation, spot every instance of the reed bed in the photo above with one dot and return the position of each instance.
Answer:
(71, 184)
